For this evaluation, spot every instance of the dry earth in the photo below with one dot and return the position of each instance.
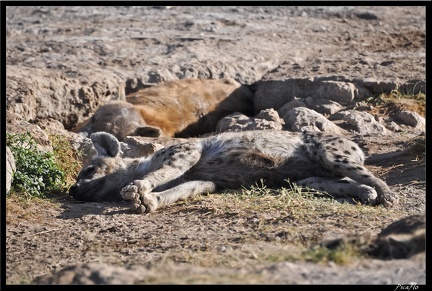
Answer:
(198, 241)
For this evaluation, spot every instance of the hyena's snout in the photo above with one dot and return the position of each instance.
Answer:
(85, 192)
(74, 192)
(78, 192)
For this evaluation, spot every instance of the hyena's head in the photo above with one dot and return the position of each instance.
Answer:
(106, 173)
(119, 118)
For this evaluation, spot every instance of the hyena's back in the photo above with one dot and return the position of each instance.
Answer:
(233, 160)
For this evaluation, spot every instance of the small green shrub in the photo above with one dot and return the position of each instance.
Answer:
(36, 172)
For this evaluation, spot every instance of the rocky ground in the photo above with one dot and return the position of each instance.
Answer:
(63, 62)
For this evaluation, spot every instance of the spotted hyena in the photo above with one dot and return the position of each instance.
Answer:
(229, 160)
(181, 108)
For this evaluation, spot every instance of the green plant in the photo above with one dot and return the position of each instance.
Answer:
(36, 172)
(341, 255)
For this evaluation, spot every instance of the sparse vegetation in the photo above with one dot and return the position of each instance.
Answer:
(39, 173)
(417, 147)
(67, 158)
(36, 172)
(293, 216)
(342, 255)
(395, 101)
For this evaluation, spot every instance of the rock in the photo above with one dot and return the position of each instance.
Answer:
(41, 138)
(297, 102)
(269, 115)
(41, 94)
(323, 106)
(342, 92)
(378, 86)
(94, 274)
(265, 119)
(363, 122)
(412, 119)
(10, 169)
(83, 146)
(302, 118)
(274, 94)
(51, 126)
(401, 239)
(393, 126)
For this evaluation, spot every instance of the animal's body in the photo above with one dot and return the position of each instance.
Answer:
(181, 108)
(229, 160)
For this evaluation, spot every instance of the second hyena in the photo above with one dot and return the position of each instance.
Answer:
(180, 108)
(229, 160)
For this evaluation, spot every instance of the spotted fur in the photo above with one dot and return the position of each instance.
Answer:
(229, 160)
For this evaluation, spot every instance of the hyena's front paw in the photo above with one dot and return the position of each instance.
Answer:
(388, 199)
(130, 193)
(140, 202)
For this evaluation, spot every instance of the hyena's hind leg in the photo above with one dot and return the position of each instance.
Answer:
(362, 175)
(345, 158)
(342, 188)
(151, 201)
(342, 165)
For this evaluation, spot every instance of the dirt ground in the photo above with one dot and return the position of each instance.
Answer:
(196, 241)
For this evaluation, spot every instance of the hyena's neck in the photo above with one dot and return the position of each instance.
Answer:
(137, 168)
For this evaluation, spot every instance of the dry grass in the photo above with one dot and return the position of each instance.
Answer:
(285, 224)
(417, 148)
(387, 104)
(67, 158)
(294, 221)
(24, 208)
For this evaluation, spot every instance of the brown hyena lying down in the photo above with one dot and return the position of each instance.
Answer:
(229, 160)
(182, 108)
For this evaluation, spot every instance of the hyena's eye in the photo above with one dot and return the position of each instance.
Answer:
(90, 170)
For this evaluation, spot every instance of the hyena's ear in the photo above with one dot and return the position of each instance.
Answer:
(105, 144)
(148, 131)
